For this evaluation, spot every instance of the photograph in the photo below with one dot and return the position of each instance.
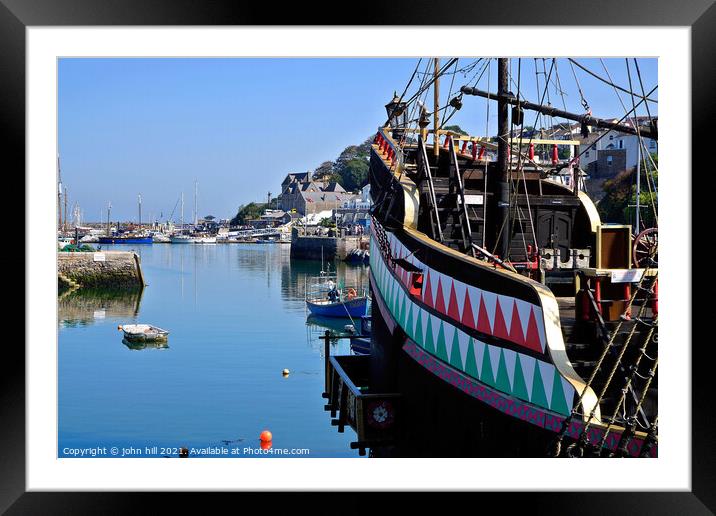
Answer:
(357, 257)
(417, 254)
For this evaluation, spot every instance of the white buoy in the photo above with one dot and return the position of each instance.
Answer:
(285, 372)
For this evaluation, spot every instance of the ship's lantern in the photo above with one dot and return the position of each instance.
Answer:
(397, 112)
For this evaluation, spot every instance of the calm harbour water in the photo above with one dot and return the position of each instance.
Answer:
(237, 318)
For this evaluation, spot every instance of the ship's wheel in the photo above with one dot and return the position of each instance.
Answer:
(645, 250)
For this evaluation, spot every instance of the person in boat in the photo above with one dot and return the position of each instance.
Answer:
(333, 294)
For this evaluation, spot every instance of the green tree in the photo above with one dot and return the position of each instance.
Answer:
(327, 222)
(618, 204)
(354, 174)
(351, 167)
(456, 129)
(324, 170)
(250, 211)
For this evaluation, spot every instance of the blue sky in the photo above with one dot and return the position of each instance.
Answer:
(238, 126)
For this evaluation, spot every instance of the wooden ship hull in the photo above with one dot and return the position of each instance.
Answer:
(497, 336)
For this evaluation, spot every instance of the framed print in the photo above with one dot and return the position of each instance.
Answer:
(423, 241)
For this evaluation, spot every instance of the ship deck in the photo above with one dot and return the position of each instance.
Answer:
(566, 308)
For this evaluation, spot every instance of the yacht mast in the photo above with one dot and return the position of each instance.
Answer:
(64, 223)
(59, 195)
(196, 210)
(109, 208)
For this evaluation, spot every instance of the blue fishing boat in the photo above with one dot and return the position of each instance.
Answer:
(354, 308)
(325, 298)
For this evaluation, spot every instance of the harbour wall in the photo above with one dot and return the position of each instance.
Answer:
(106, 269)
(323, 247)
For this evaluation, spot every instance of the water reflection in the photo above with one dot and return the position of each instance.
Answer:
(136, 346)
(82, 307)
(319, 324)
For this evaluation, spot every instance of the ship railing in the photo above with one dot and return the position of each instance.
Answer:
(389, 148)
(476, 147)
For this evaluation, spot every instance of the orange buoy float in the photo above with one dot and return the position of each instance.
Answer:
(266, 436)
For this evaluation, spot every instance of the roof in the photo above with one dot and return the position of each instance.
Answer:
(334, 187)
(295, 176)
(327, 196)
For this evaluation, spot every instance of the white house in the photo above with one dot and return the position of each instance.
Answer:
(630, 142)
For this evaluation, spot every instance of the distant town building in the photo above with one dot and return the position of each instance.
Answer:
(275, 217)
(300, 193)
(357, 210)
(606, 153)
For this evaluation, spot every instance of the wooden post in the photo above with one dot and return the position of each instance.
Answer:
(585, 298)
(503, 201)
(436, 105)
(598, 293)
(326, 356)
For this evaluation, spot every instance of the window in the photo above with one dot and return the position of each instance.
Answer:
(586, 154)
(611, 137)
(621, 144)
(609, 161)
(652, 144)
(594, 146)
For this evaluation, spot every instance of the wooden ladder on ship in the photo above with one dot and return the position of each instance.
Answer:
(426, 175)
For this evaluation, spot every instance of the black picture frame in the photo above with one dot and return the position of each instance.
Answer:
(17, 15)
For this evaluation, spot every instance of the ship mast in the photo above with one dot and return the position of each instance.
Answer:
(436, 106)
(503, 201)
(646, 132)
(139, 200)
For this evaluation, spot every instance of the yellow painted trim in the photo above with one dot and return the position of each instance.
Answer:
(411, 198)
(595, 220)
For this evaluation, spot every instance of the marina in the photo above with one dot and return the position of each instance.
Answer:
(217, 379)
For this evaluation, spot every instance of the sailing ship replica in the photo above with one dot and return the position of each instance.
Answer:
(506, 313)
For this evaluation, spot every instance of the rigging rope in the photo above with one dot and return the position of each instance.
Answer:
(610, 81)
(629, 380)
(638, 135)
(583, 440)
(609, 342)
(585, 104)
